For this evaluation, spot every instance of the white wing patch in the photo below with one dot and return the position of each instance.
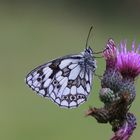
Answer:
(66, 62)
(74, 72)
(63, 81)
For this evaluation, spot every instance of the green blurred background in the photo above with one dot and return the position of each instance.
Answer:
(34, 32)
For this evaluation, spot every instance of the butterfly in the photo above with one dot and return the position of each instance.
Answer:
(67, 80)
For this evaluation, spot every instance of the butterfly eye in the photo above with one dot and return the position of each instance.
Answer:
(89, 50)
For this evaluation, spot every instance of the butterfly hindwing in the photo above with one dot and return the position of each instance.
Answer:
(62, 80)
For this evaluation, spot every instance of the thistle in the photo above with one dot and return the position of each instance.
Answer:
(118, 90)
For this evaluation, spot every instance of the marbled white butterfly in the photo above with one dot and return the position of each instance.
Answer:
(67, 80)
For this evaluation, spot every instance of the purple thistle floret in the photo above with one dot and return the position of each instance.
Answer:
(128, 62)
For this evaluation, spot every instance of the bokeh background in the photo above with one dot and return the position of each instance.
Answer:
(33, 32)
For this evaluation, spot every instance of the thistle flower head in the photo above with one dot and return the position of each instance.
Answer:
(128, 62)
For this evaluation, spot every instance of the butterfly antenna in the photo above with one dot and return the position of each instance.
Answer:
(87, 40)
(89, 33)
(88, 36)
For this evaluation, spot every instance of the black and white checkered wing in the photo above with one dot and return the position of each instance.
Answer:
(62, 80)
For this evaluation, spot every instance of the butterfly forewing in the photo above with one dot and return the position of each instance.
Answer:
(62, 80)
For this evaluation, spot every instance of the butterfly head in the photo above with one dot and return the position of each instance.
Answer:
(88, 51)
